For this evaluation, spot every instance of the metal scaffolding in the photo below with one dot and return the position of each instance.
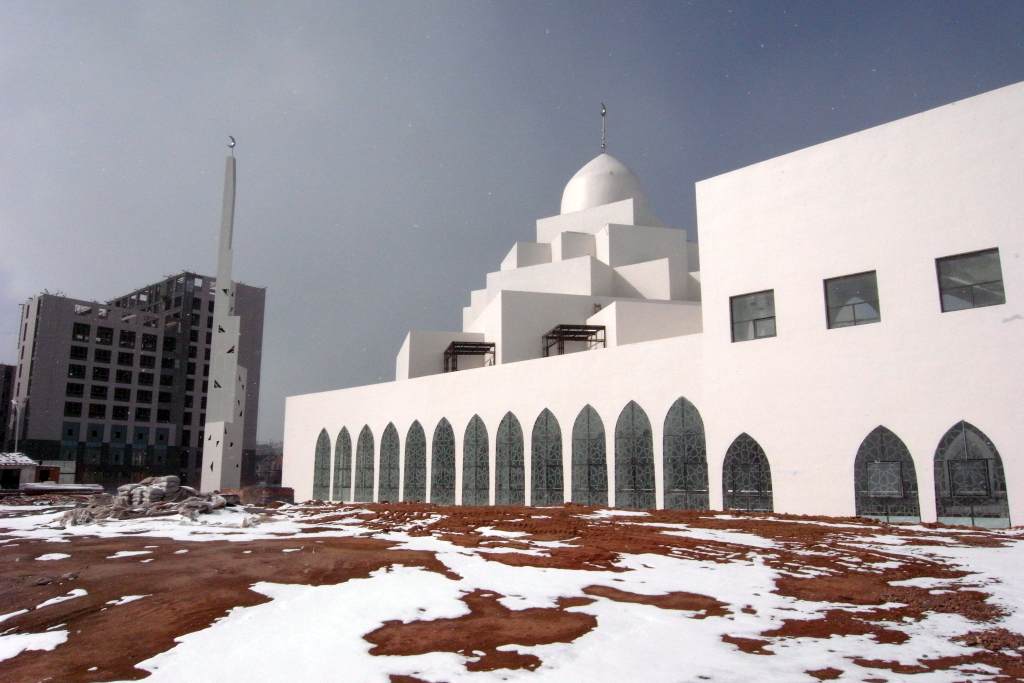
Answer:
(591, 335)
(467, 348)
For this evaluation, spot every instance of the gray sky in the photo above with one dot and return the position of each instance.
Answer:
(391, 153)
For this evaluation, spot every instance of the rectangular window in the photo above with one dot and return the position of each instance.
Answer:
(100, 374)
(190, 369)
(120, 413)
(74, 389)
(970, 280)
(123, 376)
(167, 380)
(146, 379)
(753, 315)
(149, 342)
(101, 355)
(81, 332)
(164, 397)
(126, 340)
(852, 300)
(170, 344)
(122, 394)
(163, 415)
(188, 402)
(167, 363)
(76, 371)
(143, 396)
(105, 336)
(186, 418)
(142, 414)
(79, 353)
(193, 351)
(98, 392)
(98, 410)
(193, 336)
(206, 370)
(124, 358)
(72, 409)
(147, 361)
(190, 384)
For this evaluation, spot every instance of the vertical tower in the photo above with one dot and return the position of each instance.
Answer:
(225, 411)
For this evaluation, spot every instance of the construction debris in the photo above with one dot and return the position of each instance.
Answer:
(151, 497)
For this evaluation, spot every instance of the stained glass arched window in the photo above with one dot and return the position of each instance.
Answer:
(364, 467)
(685, 459)
(746, 477)
(342, 466)
(509, 468)
(387, 487)
(442, 464)
(475, 470)
(414, 486)
(546, 461)
(885, 481)
(322, 467)
(589, 465)
(970, 487)
(634, 459)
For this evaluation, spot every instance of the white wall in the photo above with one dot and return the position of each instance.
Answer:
(589, 221)
(526, 254)
(422, 353)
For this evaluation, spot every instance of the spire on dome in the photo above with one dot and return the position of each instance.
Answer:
(604, 128)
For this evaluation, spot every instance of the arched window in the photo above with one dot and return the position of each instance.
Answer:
(685, 460)
(746, 477)
(589, 467)
(387, 488)
(634, 459)
(342, 466)
(509, 469)
(475, 486)
(414, 487)
(442, 465)
(970, 487)
(884, 478)
(322, 467)
(364, 467)
(546, 461)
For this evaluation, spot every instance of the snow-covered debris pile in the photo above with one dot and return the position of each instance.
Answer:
(151, 497)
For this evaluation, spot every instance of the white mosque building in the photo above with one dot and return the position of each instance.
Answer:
(846, 338)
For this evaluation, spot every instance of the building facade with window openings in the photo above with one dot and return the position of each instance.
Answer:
(847, 343)
(117, 391)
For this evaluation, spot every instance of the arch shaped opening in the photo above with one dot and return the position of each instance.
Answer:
(634, 459)
(342, 466)
(685, 458)
(885, 481)
(475, 465)
(414, 487)
(970, 486)
(546, 485)
(363, 492)
(322, 467)
(589, 464)
(387, 486)
(442, 464)
(509, 466)
(746, 477)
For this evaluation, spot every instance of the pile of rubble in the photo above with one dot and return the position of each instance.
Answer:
(151, 497)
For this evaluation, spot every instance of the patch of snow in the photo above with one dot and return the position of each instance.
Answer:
(53, 556)
(128, 553)
(72, 594)
(125, 599)
(491, 531)
(11, 615)
(721, 536)
(291, 550)
(16, 643)
(180, 552)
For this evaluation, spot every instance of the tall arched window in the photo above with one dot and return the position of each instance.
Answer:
(414, 487)
(322, 467)
(442, 465)
(342, 466)
(634, 459)
(685, 460)
(475, 485)
(885, 481)
(387, 488)
(509, 469)
(970, 487)
(746, 477)
(546, 461)
(589, 466)
(364, 467)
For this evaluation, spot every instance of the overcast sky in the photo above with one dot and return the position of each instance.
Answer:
(391, 153)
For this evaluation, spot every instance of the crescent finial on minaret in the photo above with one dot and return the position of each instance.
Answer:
(231, 141)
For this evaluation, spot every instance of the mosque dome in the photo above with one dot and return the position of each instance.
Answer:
(603, 180)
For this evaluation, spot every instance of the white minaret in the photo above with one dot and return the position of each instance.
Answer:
(225, 398)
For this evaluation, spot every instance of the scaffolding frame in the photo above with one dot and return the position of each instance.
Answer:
(467, 348)
(591, 335)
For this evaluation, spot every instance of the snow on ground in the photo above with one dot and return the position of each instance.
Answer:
(53, 556)
(307, 632)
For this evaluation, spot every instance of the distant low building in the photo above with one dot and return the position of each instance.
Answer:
(268, 461)
(113, 392)
(16, 469)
